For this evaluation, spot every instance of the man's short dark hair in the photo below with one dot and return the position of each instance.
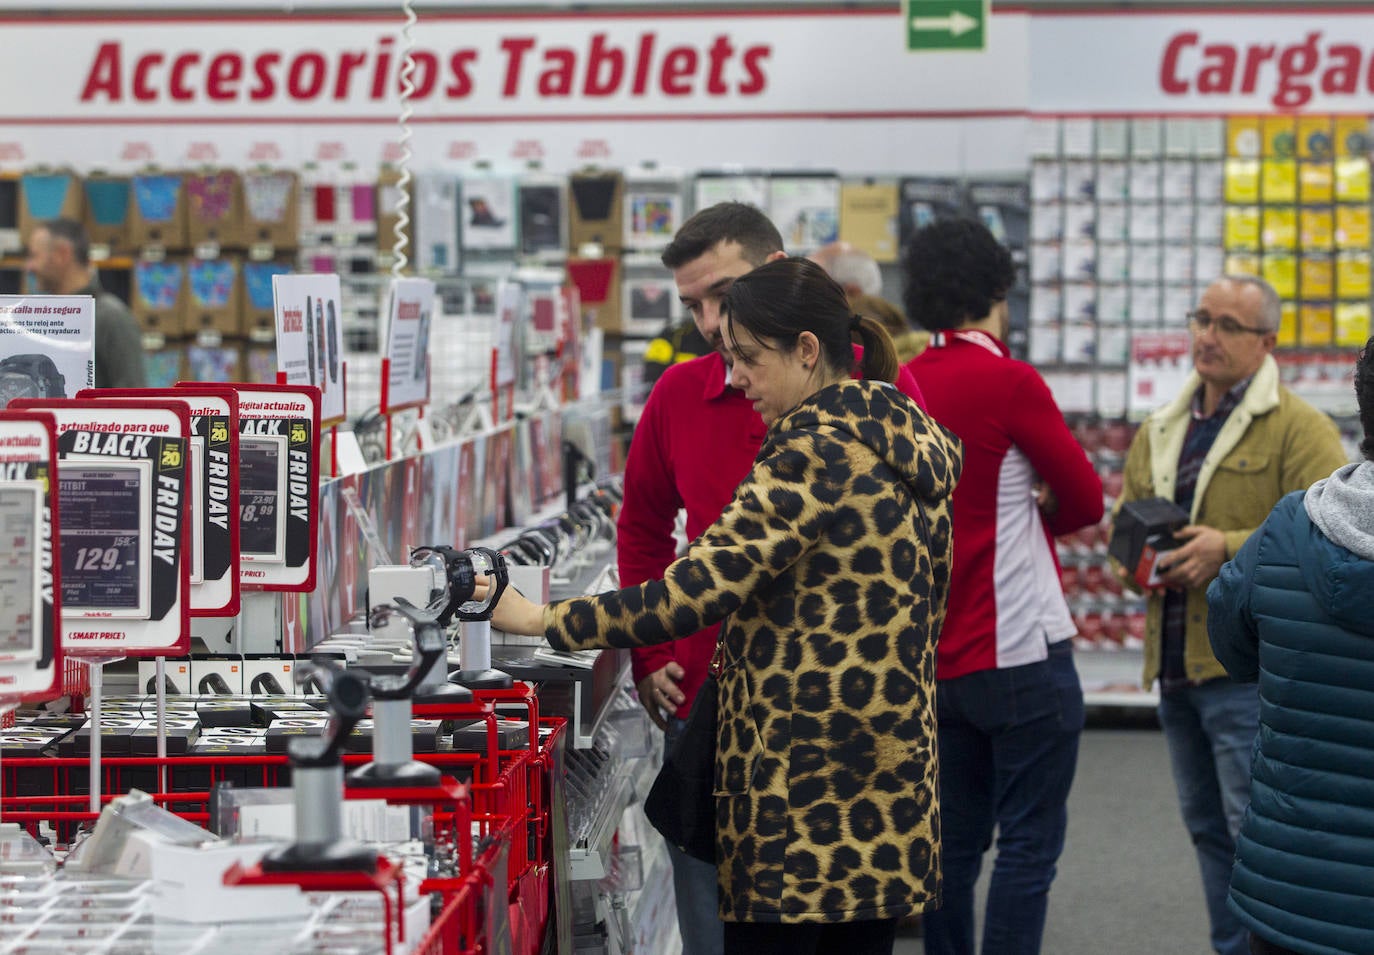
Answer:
(1364, 397)
(69, 230)
(738, 222)
(955, 271)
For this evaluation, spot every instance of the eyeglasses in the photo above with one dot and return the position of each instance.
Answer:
(1224, 324)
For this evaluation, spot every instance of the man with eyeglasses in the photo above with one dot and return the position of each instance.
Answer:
(1225, 450)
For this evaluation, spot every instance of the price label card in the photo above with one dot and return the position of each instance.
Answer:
(30, 605)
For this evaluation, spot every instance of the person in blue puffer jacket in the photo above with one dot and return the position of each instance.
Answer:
(1295, 611)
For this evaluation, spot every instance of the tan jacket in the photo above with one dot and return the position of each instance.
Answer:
(1271, 444)
(827, 804)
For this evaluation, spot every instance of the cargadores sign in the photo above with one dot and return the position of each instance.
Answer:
(1258, 61)
(346, 68)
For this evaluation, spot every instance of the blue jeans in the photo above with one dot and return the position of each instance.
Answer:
(1211, 730)
(694, 888)
(1008, 750)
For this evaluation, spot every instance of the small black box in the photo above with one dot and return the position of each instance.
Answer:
(1142, 533)
(181, 733)
(217, 713)
(472, 737)
(285, 729)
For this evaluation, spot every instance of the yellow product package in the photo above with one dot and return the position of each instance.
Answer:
(1352, 179)
(1314, 325)
(1288, 325)
(1316, 228)
(1316, 182)
(1316, 277)
(1352, 227)
(1242, 227)
(1352, 323)
(1279, 181)
(1352, 275)
(1280, 269)
(1280, 227)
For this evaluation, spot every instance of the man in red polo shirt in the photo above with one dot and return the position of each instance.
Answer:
(696, 440)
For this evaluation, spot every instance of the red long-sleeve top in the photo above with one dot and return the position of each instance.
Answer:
(1006, 603)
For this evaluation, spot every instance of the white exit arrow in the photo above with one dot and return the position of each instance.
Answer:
(956, 24)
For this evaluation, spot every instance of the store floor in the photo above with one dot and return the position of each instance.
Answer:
(1128, 883)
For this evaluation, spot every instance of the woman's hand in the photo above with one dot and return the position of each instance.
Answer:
(514, 613)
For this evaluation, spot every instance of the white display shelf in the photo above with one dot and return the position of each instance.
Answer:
(1112, 678)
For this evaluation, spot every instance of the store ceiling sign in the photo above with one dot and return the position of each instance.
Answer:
(945, 24)
(1250, 61)
(479, 67)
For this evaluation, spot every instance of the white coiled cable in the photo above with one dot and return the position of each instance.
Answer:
(400, 260)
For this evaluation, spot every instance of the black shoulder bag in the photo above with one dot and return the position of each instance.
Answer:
(681, 804)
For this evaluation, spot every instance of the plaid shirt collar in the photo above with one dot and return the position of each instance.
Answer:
(1226, 405)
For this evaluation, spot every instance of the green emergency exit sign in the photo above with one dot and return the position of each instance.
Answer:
(946, 24)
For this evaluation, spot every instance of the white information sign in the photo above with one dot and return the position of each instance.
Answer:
(309, 338)
(408, 345)
(47, 346)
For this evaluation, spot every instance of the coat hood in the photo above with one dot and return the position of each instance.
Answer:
(926, 456)
(1341, 508)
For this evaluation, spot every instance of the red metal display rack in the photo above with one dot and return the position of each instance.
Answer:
(504, 806)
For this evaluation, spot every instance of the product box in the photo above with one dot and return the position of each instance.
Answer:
(213, 364)
(436, 223)
(1142, 533)
(48, 194)
(1315, 325)
(217, 675)
(1316, 181)
(1279, 132)
(270, 200)
(181, 733)
(269, 676)
(229, 740)
(176, 673)
(214, 307)
(1352, 324)
(163, 361)
(158, 215)
(27, 742)
(1288, 325)
(226, 712)
(159, 299)
(257, 321)
(472, 737)
(598, 287)
(214, 209)
(269, 709)
(388, 196)
(1317, 277)
(108, 203)
(286, 728)
(115, 735)
(595, 216)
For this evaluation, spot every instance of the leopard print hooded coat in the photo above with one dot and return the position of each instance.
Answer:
(834, 587)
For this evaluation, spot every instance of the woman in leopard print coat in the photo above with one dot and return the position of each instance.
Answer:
(832, 567)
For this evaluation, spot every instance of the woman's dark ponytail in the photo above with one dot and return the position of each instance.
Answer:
(880, 355)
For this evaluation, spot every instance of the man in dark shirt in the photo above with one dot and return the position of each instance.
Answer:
(60, 261)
